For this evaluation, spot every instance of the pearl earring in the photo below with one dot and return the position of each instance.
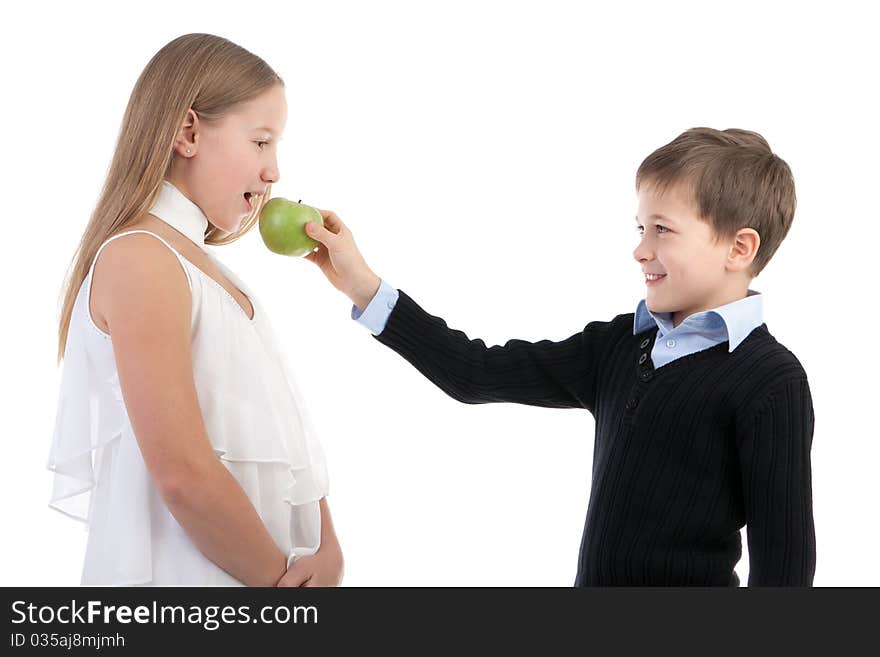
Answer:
(187, 150)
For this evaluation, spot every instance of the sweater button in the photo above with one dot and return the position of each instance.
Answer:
(632, 403)
(647, 376)
(643, 358)
(645, 343)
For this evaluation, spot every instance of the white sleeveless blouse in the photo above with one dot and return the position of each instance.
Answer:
(252, 409)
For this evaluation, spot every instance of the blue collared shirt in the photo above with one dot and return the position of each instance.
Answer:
(375, 315)
(733, 321)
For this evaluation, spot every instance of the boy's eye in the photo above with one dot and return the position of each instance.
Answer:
(261, 142)
(640, 228)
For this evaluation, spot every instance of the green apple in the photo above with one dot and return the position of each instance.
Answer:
(283, 227)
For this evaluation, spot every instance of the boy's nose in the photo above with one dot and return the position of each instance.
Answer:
(642, 253)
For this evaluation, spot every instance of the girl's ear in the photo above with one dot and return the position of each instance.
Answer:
(188, 135)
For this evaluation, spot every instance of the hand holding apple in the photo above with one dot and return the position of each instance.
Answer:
(340, 260)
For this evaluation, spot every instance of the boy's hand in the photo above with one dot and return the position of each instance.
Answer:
(324, 568)
(340, 261)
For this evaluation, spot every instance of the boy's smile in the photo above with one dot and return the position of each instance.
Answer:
(693, 271)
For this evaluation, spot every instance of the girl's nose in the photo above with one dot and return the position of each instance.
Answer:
(272, 174)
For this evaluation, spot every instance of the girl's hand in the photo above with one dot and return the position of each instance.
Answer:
(324, 568)
(341, 261)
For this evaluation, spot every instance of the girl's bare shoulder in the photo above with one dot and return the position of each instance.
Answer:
(145, 222)
(122, 256)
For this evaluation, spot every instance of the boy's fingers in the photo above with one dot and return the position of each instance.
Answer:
(331, 221)
(318, 232)
(330, 218)
(317, 256)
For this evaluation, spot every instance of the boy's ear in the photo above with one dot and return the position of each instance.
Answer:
(744, 248)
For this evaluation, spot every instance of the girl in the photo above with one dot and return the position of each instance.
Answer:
(181, 439)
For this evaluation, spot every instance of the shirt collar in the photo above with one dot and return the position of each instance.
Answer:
(735, 320)
(176, 210)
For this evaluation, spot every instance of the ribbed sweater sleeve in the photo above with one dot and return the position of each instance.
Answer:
(684, 456)
(774, 438)
(545, 373)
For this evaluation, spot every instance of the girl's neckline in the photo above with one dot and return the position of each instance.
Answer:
(233, 279)
(237, 284)
(174, 208)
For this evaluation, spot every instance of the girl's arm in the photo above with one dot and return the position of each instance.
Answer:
(325, 567)
(149, 320)
(221, 521)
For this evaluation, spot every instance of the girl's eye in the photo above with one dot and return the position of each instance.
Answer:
(261, 142)
(640, 228)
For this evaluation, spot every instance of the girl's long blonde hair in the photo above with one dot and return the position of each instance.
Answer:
(207, 73)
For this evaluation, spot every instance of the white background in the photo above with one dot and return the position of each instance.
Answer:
(484, 156)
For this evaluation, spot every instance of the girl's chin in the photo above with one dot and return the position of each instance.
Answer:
(233, 224)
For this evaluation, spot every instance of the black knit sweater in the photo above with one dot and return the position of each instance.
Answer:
(683, 457)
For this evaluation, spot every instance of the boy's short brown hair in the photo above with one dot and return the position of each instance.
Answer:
(735, 180)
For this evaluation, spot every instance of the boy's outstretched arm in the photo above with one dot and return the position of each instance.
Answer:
(774, 438)
(545, 373)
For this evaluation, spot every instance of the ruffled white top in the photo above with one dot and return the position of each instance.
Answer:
(253, 411)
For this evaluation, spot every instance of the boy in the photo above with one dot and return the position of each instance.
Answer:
(704, 422)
